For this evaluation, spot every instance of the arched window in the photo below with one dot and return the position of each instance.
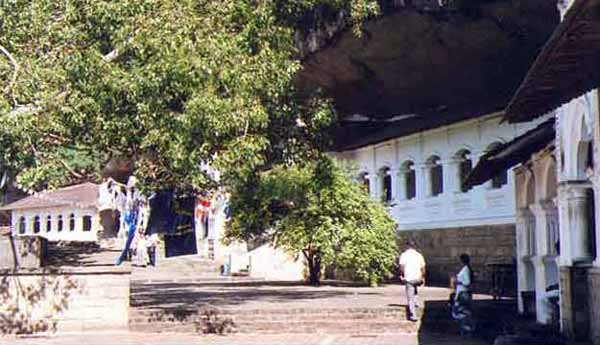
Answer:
(501, 178)
(36, 224)
(72, 222)
(410, 181)
(363, 179)
(465, 165)
(22, 225)
(87, 223)
(48, 223)
(386, 184)
(59, 223)
(436, 179)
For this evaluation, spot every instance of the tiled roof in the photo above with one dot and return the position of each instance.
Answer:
(514, 152)
(82, 196)
(566, 68)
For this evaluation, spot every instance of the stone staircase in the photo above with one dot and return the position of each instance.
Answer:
(246, 305)
(356, 321)
(179, 269)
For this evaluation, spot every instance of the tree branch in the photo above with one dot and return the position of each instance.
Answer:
(13, 80)
(69, 169)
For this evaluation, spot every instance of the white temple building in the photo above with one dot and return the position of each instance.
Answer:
(421, 175)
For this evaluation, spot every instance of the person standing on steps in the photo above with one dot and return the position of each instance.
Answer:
(412, 273)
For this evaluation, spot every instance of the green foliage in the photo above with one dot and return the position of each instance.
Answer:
(167, 84)
(316, 209)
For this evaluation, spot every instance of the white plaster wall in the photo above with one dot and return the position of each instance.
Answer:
(274, 264)
(481, 205)
(54, 235)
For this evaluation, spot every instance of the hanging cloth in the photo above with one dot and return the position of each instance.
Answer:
(202, 214)
(131, 221)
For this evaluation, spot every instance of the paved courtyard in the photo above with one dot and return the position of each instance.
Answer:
(131, 338)
(436, 328)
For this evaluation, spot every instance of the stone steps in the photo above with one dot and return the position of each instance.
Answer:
(300, 320)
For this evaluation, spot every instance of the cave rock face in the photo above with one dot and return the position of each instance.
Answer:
(415, 61)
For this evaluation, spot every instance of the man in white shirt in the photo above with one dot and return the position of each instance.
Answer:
(412, 273)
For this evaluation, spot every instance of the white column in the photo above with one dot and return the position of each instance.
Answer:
(574, 238)
(398, 184)
(29, 220)
(542, 212)
(541, 313)
(374, 185)
(423, 177)
(596, 186)
(521, 235)
(451, 172)
(381, 183)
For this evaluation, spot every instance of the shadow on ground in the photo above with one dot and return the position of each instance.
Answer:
(194, 295)
(78, 254)
(492, 318)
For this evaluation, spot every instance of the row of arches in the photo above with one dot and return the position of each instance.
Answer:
(35, 223)
(433, 177)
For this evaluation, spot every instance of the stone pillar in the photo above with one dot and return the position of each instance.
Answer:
(596, 187)
(398, 184)
(372, 184)
(594, 288)
(542, 315)
(574, 246)
(543, 212)
(451, 172)
(522, 234)
(574, 222)
(567, 318)
(423, 177)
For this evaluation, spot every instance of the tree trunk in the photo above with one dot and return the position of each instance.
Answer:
(314, 267)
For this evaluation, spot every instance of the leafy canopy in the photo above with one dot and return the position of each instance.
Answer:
(166, 85)
(318, 210)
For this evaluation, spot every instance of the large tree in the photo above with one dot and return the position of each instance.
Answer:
(317, 210)
(167, 86)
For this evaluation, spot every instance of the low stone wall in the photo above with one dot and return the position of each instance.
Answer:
(21, 252)
(42, 301)
(494, 244)
(594, 305)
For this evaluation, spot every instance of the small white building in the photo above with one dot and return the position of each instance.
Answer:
(66, 214)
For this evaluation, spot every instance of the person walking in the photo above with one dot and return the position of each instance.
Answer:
(412, 273)
(461, 309)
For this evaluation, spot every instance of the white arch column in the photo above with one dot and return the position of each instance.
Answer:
(423, 177)
(374, 185)
(574, 222)
(543, 212)
(451, 175)
(596, 187)
(524, 221)
(573, 225)
(398, 184)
